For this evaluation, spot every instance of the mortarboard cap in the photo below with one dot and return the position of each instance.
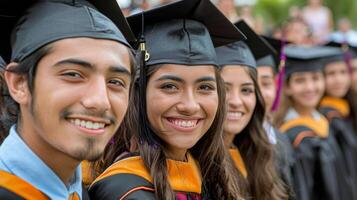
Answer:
(345, 47)
(278, 46)
(305, 59)
(269, 61)
(42, 22)
(244, 52)
(259, 46)
(184, 32)
(237, 53)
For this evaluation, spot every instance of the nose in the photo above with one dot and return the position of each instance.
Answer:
(97, 97)
(234, 99)
(310, 86)
(188, 104)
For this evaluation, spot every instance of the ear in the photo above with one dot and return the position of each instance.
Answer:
(17, 85)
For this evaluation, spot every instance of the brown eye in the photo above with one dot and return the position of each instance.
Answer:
(168, 86)
(207, 87)
(117, 83)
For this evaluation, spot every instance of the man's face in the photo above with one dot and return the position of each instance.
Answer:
(266, 81)
(80, 97)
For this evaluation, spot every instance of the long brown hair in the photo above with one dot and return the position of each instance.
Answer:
(257, 153)
(218, 180)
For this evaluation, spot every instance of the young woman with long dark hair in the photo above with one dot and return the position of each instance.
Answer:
(319, 170)
(247, 141)
(337, 110)
(174, 137)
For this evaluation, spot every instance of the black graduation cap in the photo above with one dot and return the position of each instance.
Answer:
(37, 23)
(269, 61)
(273, 59)
(244, 52)
(184, 32)
(305, 59)
(346, 47)
(259, 46)
(237, 53)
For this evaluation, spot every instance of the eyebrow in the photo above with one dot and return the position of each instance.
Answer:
(267, 76)
(170, 77)
(87, 65)
(247, 84)
(206, 79)
(243, 84)
(178, 79)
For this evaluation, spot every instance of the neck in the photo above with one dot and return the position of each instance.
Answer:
(304, 111)
(62, 165)
(176, 154)
(228, 139)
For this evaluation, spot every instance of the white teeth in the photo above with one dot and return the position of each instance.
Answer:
(87, 124)
(185, 123)
(234, 115)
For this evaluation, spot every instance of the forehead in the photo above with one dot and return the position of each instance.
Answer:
(334, 65)
(305, 74)
(95, 51)
(230, 73)
(265, 70)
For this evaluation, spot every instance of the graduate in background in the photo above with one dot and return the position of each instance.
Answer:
(319, 171)
(69, 85)
(352, 95)
(175, 142)
(268, 69)
(248, 143)
(336, 109)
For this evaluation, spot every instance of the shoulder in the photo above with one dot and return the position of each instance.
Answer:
(13, 187)
(125, 178)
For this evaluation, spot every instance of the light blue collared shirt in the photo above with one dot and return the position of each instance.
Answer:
(269, 129)
(18, 159)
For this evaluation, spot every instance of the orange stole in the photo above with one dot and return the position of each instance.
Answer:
(238, 161)
(338, 104)
(319, 127)
(20, 187)
(87, 176)
(183, 176)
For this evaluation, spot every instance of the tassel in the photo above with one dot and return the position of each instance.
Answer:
(280, 78)
(347, 56)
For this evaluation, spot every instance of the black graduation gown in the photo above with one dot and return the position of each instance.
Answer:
(129, 179)
(336, 111)
(317, 170)
(285, 161)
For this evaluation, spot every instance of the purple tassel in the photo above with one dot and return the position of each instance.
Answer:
(280, 78)
(347, 57)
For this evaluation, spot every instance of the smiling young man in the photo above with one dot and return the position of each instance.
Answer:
(69, 75)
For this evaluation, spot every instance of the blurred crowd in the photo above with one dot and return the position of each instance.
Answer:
(311, 24)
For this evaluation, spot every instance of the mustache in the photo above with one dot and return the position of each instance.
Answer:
(66, 113)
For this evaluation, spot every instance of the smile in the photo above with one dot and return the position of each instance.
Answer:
(234, 115)
(87, 124)
(183, 124)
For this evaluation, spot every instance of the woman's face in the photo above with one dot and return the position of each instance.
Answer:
(306, 88)
(338, 79)
(240, 98)
(182, 103)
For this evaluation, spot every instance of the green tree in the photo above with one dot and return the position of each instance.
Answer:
(277, 11)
